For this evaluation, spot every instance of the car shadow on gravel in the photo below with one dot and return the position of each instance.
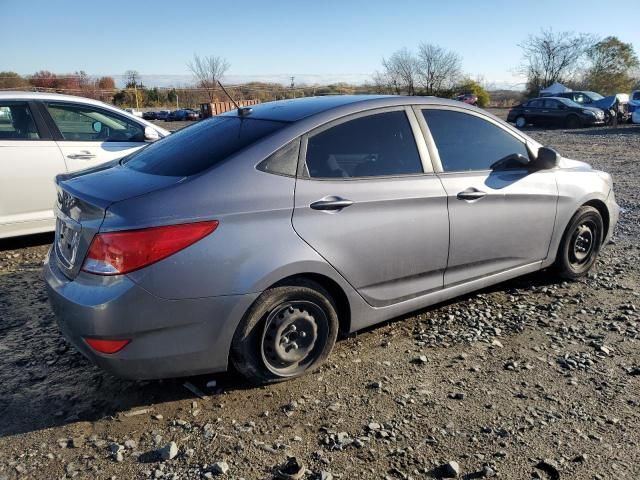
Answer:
(46, 383)
(623, 130)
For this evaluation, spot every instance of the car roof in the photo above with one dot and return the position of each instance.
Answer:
(296, 109)
(23, 95)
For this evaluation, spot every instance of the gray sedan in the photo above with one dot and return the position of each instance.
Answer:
(253, 239)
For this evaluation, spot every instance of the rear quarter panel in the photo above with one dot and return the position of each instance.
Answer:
(253, 247)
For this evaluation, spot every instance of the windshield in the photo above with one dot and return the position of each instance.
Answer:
(200, 146)
(594, 96)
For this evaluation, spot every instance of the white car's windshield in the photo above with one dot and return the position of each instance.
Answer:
(594, 96)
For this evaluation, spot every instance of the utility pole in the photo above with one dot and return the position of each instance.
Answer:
(135, 92)
(177, 107)
(292, 86)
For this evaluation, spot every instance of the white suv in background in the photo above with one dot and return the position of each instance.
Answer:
(44, 134)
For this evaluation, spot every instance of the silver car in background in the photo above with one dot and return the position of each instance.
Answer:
(253, 238)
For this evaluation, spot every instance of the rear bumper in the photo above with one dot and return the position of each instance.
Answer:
(169, 338)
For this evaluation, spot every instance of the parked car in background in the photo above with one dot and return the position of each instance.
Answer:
(555, 111)
(192, 114)
(372, 207)
(177, 116)
(468, 98)
(614, 106)
(162, 114)
(150, 115)
(46, 134)
(134, 112)
(634, 102)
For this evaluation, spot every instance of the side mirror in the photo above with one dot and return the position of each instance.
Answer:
(151, 134)
(547, 158)
(514, 160)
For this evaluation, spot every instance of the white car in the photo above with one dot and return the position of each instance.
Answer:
(44, 134)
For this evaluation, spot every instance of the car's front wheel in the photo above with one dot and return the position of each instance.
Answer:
(288, 331)
(521, 122)
(580, 243)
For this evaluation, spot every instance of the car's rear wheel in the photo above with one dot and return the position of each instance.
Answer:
(572, 121)
(521, 122)
(580, 243)
(288, 331)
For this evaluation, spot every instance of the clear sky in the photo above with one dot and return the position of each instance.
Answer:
(323, 40)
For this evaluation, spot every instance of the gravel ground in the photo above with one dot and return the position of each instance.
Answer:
(533, 378)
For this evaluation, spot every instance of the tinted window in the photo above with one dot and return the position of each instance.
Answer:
(200, 146)
(16, 122)
(87, 123)
(375, 145)
(551, 104)
(466, 142)
(284, 161)
(535, 104)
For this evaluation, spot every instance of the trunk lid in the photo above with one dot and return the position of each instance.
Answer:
(82, 201)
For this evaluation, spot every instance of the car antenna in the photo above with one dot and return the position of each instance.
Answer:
(242, 111)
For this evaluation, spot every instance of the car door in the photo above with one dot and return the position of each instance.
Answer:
(29, 161)
(532, 111)
(500, 218)
(89, 135)
(367, 201)
(553, 111)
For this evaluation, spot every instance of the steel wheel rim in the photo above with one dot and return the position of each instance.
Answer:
(583, 243)
(520, 122)
(294, 337)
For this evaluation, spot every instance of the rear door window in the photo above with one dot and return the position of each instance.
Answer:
(87, 123)
(380, 144)
(196, 148)
(467, 142)
(16, 122)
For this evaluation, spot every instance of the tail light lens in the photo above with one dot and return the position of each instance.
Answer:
(116, 253)
(106, 346)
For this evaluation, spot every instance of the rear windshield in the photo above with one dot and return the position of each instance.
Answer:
(200, 146)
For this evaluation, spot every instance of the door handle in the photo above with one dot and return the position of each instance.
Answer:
(331, 203)
(83, 155)
(471, 194)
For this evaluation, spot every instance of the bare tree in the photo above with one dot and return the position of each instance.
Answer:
(208, 71)
(401, 72)
(132, 77)
(552, 57)
(438, 69)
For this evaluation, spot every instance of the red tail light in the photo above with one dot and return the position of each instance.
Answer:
(106, 346)
(122, 252)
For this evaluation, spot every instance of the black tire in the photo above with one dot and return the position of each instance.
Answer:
(572, 121)
(521, 121)
(580, 244)
(290, 330)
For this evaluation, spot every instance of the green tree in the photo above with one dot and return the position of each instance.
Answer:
(612, 63)
(471, 86)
